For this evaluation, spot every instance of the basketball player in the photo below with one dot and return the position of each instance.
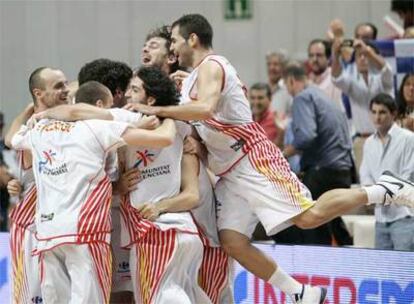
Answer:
(156, 52)
(215, 280)
(256, 183)
(115, 75)
(52, 90)
(72, 222)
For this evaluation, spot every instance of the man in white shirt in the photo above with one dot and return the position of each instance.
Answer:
(389, 148)
(319, 53)
(361, 85)
(281, 100)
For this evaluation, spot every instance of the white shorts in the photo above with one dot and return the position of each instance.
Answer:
(257, 191)
(26, 277)
(164, 267)
(121, 274)
(76, 274)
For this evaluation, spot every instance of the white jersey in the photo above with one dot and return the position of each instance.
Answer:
(74, 191)
(160, 175)
(205, 213)
(231, 133)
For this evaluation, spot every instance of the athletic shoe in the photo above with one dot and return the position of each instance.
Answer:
(310, 295)
(398, 191)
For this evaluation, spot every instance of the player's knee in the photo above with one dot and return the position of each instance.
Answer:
(309, 219)
(233, 246)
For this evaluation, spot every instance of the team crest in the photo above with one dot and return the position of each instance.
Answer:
(143, 158)
(49, 165)
(48, 159)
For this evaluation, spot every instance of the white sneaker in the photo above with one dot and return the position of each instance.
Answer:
(310, 295)
(399, 191)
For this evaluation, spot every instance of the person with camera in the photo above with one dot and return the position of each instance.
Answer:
(371, 77)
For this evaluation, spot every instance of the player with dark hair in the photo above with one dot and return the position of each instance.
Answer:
(256, 182)
(113, 74)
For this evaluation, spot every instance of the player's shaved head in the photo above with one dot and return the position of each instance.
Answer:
(36, 81)
(92, 91)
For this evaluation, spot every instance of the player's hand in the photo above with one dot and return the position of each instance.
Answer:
(148, 122)
(29, 109)
(192, 146)
(128, 181)
(179, 76)
(149, 211)
(40, 115)
(14, 187)
(141, 108)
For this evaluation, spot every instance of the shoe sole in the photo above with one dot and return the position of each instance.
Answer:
(324, 291)
(399, 179)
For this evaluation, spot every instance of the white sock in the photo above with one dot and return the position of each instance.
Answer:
(375, 194)
(285, 282)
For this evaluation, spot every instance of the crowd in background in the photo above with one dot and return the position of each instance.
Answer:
(338, 120)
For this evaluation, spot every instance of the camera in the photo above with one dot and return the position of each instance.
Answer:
(347, 43)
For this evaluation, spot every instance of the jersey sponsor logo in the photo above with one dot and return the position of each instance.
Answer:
(154, 172)
(48, 166)
(46, 217)
(144, 158)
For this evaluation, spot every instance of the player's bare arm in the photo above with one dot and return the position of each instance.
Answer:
(209, 85)
(20, 120)
(161, 137)
(78, 111)
(187, 199)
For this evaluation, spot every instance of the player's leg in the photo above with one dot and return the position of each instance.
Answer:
(32, 267)
(181, 274)
(19, 279)
(331, 204)
(247, 196)
(54, 279)
(89, 267)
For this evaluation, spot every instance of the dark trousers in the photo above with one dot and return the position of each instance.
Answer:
(320, 181)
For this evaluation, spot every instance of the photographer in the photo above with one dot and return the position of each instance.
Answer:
(371, 77)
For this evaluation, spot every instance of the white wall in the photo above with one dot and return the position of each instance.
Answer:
(66, 34)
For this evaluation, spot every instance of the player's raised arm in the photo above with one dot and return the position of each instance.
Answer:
(161, 137)
(79, 111)
(209, 84)
(17, 123)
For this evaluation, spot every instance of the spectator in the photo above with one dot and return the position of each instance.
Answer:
(365, 31)
(281, 100)
(406, 102)
(405, 10)
(321, 134)
(361, 85)
(259, 97)
(319, 53)
(389, 148)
